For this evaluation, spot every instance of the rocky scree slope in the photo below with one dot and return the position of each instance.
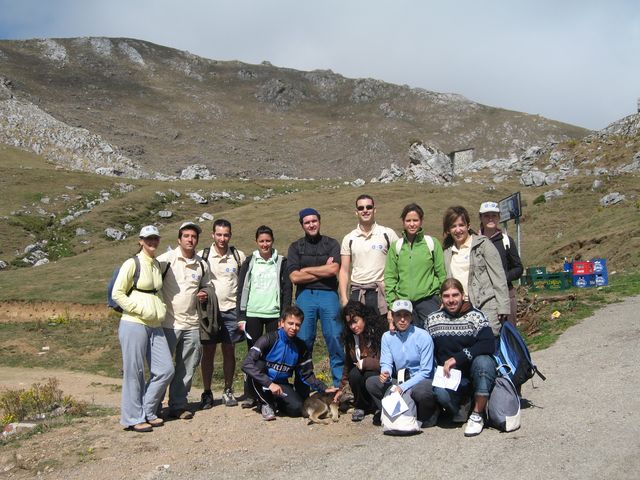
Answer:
(133, 108)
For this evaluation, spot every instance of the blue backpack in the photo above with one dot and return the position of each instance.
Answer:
(513, 357)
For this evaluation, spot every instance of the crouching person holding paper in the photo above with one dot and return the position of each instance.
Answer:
(463, 340)
(411, 349)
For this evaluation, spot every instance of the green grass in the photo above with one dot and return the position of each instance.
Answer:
(92, 346)
(587, 302)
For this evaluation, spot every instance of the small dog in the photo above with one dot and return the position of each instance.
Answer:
(318, 406)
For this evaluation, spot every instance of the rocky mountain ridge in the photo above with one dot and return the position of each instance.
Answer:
(132, 108)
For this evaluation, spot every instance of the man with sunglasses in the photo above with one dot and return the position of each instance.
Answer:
(364, 253)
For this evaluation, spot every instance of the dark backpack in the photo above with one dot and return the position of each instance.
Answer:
(111, 303)
(513, 357)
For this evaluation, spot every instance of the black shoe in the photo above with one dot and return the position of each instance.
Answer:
(249, 403)
(206, 400)
(377, 419)
(431, 420)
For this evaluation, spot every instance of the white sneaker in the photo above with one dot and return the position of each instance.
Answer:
(474, 425)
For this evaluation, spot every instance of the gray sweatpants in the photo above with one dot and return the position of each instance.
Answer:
(140, 398)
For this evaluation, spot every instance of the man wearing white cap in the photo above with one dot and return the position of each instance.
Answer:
(489, 221)
(185, 278)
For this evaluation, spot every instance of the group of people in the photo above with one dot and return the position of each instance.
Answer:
(391, 309)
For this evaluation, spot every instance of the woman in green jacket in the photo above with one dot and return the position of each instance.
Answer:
(415, 268)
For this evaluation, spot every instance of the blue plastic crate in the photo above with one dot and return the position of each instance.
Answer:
(584, 281)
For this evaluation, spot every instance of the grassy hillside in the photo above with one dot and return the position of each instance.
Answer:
(571, 225)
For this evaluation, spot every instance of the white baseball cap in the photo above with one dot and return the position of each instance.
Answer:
(487, 207)
(190, 225)
(149, 231)
(400, 305)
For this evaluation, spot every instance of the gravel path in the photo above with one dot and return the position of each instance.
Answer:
(583, 424)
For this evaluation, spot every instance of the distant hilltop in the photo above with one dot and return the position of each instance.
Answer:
(132, 108)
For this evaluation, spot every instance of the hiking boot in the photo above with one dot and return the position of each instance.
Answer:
(474, 426)
(228, 399)
(377, 419)
(206, 400)
(431, 420)
(249, 403)
(463, 412)
(357, 415)
(267, 413)
(181, 414)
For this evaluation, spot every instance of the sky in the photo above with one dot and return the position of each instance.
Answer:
(576, 61)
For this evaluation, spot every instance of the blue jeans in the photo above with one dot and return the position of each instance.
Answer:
(323, 305)
(483, 377)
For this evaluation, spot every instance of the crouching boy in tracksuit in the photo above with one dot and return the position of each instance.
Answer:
(272, 361)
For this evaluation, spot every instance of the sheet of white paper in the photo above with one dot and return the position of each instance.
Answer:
(394, 404)
(452, 382)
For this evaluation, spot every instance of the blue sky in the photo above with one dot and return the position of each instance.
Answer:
(569, 60)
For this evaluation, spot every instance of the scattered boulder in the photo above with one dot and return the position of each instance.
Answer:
(611, 199)
(42, 261)
(633, 167)
(206, 217)
(80, 232)
(124, 187)
(67, 219)
(550, 195)
(115, 234)
(388, 175)
(533, 178)
(3, 264)
(532, 153)
(196, 197)
(429, 165)
(596, 185)
(165, 213)
(128, 227)
(358, 182)
(196, 172)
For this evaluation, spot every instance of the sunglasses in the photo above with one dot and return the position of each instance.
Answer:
(363, 207)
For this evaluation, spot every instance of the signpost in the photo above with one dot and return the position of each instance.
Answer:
(511, 209)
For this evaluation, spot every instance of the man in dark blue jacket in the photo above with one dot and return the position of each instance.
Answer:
(272, 361)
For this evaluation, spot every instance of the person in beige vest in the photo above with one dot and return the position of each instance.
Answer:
(185, 276)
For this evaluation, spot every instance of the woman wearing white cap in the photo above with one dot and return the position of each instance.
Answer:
(137, 291)
(475, 263)
(411, 349)
(489, 220)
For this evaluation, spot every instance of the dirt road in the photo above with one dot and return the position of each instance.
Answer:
(583, 424)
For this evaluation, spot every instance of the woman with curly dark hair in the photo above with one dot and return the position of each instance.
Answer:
(361, 341)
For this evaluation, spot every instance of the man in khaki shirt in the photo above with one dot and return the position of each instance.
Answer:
(364, 252)
(185, 274)
(224, 264)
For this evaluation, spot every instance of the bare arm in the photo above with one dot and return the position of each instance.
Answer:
(343, 279)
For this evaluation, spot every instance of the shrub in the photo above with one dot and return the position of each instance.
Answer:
(38, 402)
